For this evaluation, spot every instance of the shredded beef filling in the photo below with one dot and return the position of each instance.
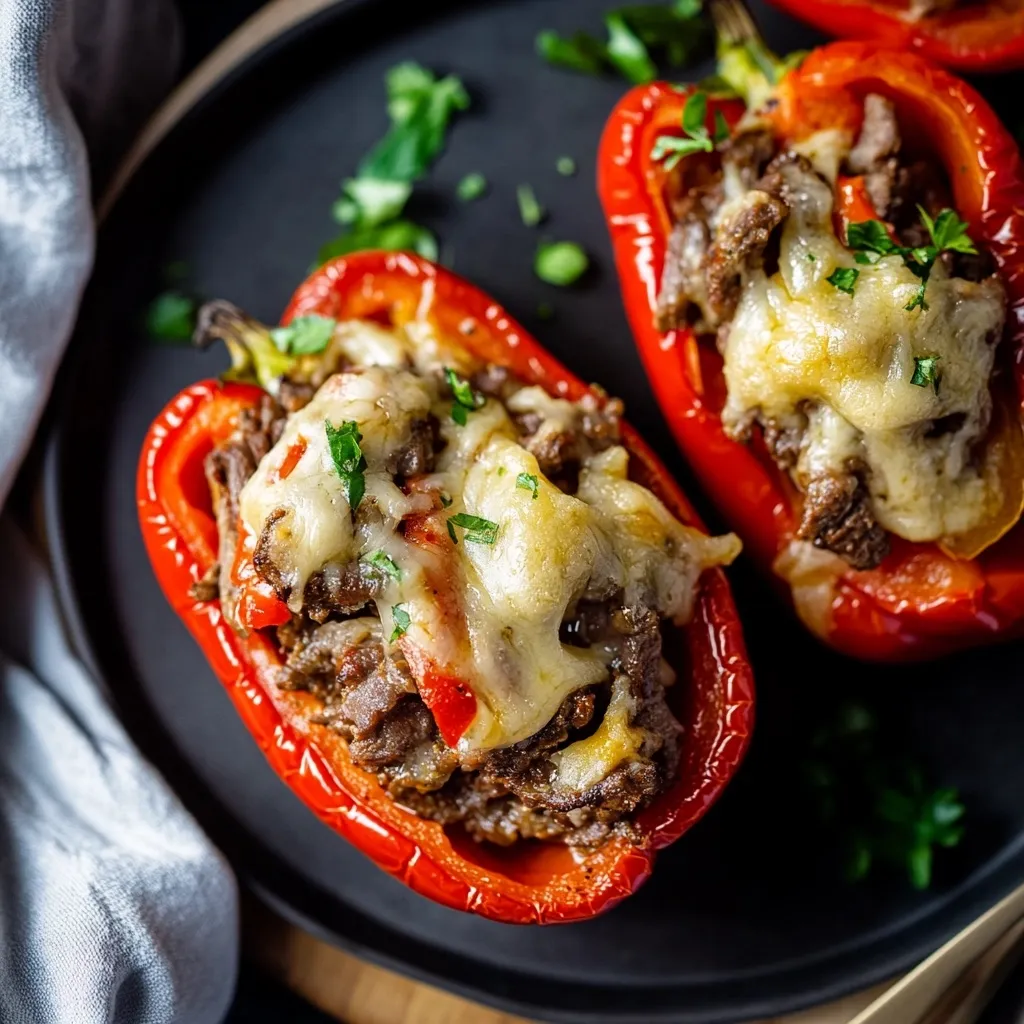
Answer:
(334, 650)
(716, 241)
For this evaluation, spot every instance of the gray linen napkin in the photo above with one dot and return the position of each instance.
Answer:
(113, 905)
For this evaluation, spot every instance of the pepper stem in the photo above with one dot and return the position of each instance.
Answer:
(744, 59)
(254, 356)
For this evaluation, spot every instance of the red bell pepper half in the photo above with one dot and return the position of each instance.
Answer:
(922, 601)
(530, 881)
(970, 36)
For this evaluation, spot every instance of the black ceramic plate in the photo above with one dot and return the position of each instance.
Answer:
(747, 916)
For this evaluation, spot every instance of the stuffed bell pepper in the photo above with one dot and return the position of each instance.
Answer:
(458, 602)
(966, 35)
(826, 285)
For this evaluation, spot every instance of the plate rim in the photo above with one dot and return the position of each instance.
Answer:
(975, 894)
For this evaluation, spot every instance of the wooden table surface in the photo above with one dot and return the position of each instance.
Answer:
(356, 992)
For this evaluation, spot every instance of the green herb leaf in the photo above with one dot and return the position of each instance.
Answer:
(529, 482)
(369, 202)
(382, 562)
(876, 799)
(420, 106)
(870, 236)
(446, 500)
(721, 128)
(844, 278)
(672, 148)
(466, 399)
(948, 232)
(171, 317)
(401, 619)
(627, 52)
(530, 211)
(305, 335)
(581, 52)
(811, 258)
(347, 456)
(395, 236)
(926, 372)
(477, 530)
(560, 263)
(566, 166)
(472, 186)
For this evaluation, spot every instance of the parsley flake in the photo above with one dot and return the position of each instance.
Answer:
(446, 499)
(402, 621)
(844, 278)
(926, 372)
(472, 186)
(348, 459)
(695, 139)
(477, 530)
(566, 166)
(382, 562)
(171, 317)
(560, 263)
(466, 399)
(530, 211)
(305, 335)
(529, 482)
(870, 241)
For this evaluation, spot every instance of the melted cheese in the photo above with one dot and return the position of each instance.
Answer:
(583, 764)
(489, 614)
(314, 526)
(800, 347)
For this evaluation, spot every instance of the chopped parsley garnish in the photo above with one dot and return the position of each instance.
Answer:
(721, 128)
(446, 499)
(531, 212)
(466, 399)
(401, 619)
(560, 263)
(529, 482)
(472, 186)
(675, 29)
(926, 372)
(348, 459)
(477, 530)
(811, 258)
(695, 139)
(876, 800)
(566, 166)
(844, 278)
(420, 107)
(381, 561)
(305, 335)
(171, 317)
(870, 241)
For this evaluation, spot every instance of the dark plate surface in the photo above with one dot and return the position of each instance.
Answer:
(746, 916)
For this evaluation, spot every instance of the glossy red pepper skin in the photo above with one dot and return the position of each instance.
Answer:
(986, 36)
(920, 603)
(530, 882)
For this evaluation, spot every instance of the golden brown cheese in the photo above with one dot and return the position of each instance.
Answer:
(799, 346)
(511, 596)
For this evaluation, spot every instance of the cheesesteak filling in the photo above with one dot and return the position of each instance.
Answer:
(477, 589)
(858, 340)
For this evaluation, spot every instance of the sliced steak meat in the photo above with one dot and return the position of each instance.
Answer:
(745, 227)
(783, 442)
(747, 153)
(228, 468)
(874, 153)
(342, 590)
(682, 298)
(837, 516)
(416, 456)
(207, 587)
(601, 422)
